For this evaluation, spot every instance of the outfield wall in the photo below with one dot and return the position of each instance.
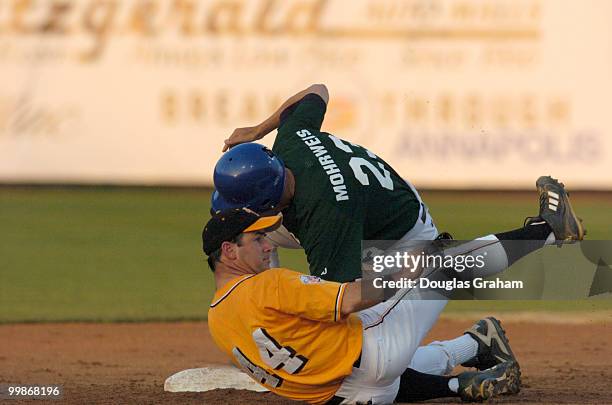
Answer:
(454, 93)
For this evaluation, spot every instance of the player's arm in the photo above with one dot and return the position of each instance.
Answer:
(311, 297)
(354, 301)
(250, 134)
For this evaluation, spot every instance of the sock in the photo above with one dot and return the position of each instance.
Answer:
(441, 357)
(535, 231)
(453, 384)
(460, 349)
(520, 242)
(415, 386)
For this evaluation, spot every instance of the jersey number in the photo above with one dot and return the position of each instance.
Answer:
(277, 356)
(257, 373)
(358, 163)
(274, 355)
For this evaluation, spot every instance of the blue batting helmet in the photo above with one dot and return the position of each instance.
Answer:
(248, 175)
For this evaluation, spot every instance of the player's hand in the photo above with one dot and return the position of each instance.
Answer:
(242, 135)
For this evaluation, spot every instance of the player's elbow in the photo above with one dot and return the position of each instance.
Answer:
(320, 90)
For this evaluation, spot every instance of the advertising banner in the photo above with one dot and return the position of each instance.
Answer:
(452, 93)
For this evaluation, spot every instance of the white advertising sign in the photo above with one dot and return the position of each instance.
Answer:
(463, 93)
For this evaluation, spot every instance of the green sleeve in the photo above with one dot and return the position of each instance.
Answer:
(306, 113)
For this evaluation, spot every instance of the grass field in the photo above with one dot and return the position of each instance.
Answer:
(108, 254)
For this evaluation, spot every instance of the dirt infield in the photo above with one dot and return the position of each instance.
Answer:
(128, 363)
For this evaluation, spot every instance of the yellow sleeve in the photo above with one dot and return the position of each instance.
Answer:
(308, 296)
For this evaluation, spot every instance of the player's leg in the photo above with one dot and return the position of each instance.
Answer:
(483, 346)
(392, 331)
(401, 324)
(441, 357)
(556, 223)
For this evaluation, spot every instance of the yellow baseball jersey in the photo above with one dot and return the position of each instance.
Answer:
(284, 329)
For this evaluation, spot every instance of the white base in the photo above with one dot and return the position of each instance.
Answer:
(210, 378)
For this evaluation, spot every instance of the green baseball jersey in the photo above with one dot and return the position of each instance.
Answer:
(343, 193)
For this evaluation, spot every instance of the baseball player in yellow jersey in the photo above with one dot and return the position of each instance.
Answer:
(320, 341)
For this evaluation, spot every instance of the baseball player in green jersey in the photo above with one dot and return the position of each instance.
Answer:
(333, 182)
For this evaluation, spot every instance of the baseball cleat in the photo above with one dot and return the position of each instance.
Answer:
(478, 386)
(557, 212)
(493, 344)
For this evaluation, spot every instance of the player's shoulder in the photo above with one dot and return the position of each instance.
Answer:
(283, 275)
(280, 272)
(274, 279)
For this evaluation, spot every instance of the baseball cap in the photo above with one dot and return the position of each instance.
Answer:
(226, 225)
